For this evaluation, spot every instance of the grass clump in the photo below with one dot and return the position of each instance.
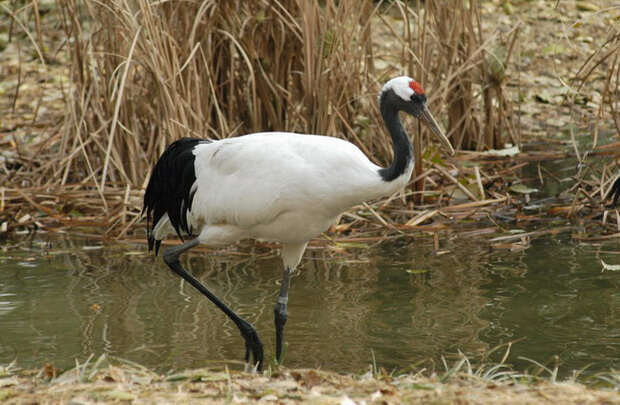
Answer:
(110, 379)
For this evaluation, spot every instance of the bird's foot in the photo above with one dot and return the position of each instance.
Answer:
(250, 369)
(253, 347)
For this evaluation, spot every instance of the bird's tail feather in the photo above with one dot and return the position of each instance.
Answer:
(170, 190)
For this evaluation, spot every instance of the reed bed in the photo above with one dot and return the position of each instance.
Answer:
(154, 72)
(143, 74)
(146, 73)
(490, 196)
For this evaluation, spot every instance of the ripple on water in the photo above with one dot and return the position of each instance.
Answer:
(343, 314)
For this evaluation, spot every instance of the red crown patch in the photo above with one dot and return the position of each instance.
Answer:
(417, 87)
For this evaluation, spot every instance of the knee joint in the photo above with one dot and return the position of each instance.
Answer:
(170, 258)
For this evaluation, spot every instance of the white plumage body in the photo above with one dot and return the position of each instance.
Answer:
(278, 186)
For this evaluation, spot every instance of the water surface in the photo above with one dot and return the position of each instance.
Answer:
(398, 305)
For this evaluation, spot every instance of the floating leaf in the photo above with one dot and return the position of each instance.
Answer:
(508, 151)
(417, 271)
(134, 253)
(515, 231)
(522, 189)
(92, 247)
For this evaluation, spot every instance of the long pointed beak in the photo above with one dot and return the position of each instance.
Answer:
(429, 120)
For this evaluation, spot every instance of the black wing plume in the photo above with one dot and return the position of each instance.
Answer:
(169, 189)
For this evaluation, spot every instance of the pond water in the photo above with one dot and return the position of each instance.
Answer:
(397, 305)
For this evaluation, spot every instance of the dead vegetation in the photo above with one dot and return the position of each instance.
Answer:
(114, 380)
(78, 152)
(537, 74)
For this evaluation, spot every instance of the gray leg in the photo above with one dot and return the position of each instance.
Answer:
(253, 344)
(280, 312)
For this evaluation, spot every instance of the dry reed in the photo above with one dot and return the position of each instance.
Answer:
(145, 73)
(208, 69)
(153, 72)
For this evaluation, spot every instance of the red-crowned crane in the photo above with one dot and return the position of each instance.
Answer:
(277, 186)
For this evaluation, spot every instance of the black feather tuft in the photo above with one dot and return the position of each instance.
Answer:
(168, 191)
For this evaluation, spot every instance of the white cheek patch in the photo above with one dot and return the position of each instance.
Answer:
(400, 85)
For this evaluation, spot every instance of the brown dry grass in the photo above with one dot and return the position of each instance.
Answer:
(150, 73)
(145, 73)
(154, 72)
(114, 381)
(471, 70)
(605, 59)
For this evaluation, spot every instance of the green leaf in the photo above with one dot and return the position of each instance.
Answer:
(417, 271)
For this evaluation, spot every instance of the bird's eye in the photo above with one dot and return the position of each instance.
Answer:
(418, 98)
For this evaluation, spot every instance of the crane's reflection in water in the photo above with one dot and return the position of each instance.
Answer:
(397, 305)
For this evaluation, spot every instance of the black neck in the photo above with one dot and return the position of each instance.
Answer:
(400, 142)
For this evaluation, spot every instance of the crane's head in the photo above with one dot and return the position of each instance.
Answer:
(405, 94)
